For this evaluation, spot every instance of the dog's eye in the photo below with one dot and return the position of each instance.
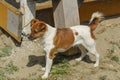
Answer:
(36, 30)
(42, 29)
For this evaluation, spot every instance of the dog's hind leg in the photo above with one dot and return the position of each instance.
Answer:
(90, 45)
(83, 53)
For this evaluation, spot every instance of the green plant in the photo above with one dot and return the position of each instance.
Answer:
(10, 68)
(2, 75)
(61, 68)
(103, 68)
(114, 70)
(112, 50)
(118, 45)
(2, 78)
(5, 51)
(115, 58)
(1, 72)
(103, 77)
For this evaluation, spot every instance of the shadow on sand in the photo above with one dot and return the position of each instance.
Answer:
(34, 60)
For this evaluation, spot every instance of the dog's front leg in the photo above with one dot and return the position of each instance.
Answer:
(48, 67)
(49, 62)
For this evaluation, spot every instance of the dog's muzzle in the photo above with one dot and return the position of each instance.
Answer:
(30, 38)
(26, 31)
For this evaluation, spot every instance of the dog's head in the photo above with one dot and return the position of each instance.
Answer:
(38, 29)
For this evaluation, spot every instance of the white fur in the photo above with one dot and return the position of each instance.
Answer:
(26, 31)
(96, 15)
(83, 37)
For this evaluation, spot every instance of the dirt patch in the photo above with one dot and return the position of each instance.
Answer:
(26, 62)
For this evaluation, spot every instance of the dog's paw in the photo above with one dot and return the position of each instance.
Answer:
(95, 65)
(44, 76)
(78, 59)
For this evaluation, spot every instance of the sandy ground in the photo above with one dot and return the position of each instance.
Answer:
(29, 58)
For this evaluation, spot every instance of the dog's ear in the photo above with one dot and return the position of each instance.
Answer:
(33, 21)
(42, 27)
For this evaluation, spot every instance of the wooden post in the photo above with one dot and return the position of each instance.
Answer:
(66, 14)
(27, 8)
(10, 19)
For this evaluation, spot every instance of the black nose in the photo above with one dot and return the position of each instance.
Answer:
(30, 38)
(23, 34)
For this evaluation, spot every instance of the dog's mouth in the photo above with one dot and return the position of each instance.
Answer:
(31, 38)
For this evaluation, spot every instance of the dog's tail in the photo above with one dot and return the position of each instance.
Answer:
(95, 19)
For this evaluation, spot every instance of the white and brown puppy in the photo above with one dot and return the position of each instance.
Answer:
(59, 40)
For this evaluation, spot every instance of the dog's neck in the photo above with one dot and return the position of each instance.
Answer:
(48, 36)
(49, 33)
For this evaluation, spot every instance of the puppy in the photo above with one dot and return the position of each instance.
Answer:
(59, 40)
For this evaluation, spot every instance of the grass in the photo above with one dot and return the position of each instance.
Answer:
(59, 71)
(9, 69)
(103, 68)
(5, 51)
(108, 69)
(115, 43)
(112, 50)
(115, 59)
(2, 75)
(118, 45)
(103, 77)
(61, 68)
(114, 70)
(111, 56)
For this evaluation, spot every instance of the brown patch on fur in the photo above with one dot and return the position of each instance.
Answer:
(93, 26)
(33, 21)
(92, 35)
(63, 39)
(38, 28)
(52, 51)
(76, 33)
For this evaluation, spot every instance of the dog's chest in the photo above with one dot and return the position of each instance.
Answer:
(47, 41)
